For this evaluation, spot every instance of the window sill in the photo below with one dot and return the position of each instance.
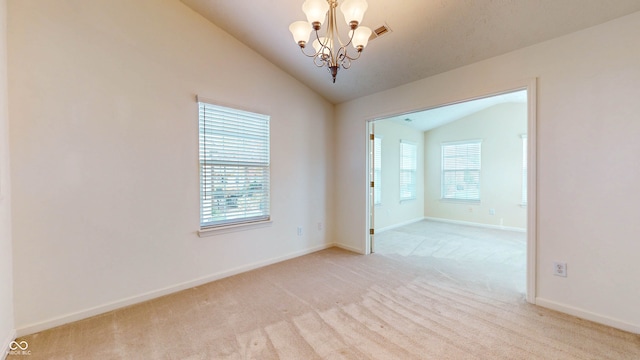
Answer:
(233, 228)
(460, 201)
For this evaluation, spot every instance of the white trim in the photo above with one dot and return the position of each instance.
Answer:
(469, 223)
(532, 205)
(233, 228)
(349, 248)
(460, 201)
(370, 206)
(529, 84)
(588, 315)
(229, 105)
(83, 314)
(378, 182)
(6, 343)
(462, 142)
(390, 227)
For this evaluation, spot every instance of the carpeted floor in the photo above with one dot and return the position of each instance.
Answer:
(498, 256)
(334, 304)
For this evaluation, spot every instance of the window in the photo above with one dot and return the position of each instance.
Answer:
(377, 170)
(408, 164)
(234, 166)
(461, 170)
(524, 169)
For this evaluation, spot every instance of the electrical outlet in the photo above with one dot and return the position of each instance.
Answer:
(299, 230)
(319, 226)
(492, 211)
(560, 269)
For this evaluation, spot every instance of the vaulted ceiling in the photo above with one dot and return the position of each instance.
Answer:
(428, 36)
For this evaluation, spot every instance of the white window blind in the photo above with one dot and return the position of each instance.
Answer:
(461, 170)
(524, 169)
(377, 170)
(234, 166)
(408, 165)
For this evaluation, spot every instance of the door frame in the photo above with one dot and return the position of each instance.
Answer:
(530, 85)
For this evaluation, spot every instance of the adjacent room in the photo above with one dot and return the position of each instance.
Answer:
(450, 183)
(179, 181)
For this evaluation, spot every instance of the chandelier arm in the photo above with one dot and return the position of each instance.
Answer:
(353, 33)
(342, 54)
(320, 60)
(346, 62)
(354, 58)
(318, 37)
(340, 40)
(324, 52)
(332, 34)
(307, 55)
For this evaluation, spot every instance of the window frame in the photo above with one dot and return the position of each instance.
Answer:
(377, 170)
(444, 171)
(412, 170)
(525, 164)
(235, 159)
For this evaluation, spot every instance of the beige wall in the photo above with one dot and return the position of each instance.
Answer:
(587, 160)
(391, 212)
(500, 128)
(104, 147)
(6, 270)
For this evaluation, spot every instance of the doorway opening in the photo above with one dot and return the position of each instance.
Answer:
(454, 186)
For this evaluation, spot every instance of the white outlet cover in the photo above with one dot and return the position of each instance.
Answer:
(560, 269)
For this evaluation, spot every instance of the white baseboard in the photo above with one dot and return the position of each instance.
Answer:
(390, 227)
(348, 248)
(83, 314)
(469, 223)
(587, 315)
(6, 343)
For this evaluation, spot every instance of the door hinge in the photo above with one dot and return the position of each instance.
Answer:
(372, 185)
(372, 137)
(371, 231)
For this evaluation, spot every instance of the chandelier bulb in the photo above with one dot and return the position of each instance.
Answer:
(316, 11)
(353, 11)
(300, 31)
(360, 37)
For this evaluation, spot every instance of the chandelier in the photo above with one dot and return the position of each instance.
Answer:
(330, 50)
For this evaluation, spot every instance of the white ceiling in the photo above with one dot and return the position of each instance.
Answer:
(429, 36)
(433, 118)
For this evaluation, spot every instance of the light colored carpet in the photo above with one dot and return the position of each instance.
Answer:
(334, 304)
(498, 256)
